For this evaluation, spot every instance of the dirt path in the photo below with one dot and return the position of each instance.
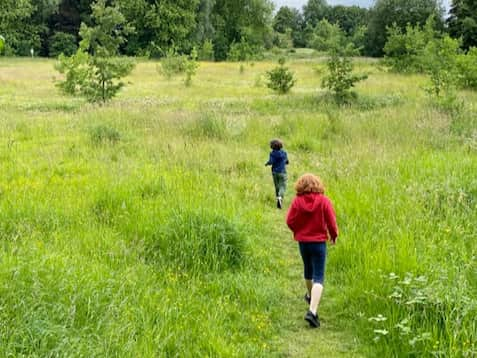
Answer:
(297, 339)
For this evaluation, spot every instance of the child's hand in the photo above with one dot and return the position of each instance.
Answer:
(333, 241)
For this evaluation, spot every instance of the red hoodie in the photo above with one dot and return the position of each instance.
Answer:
(311, 218)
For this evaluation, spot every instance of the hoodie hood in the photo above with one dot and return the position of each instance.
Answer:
(309, 202)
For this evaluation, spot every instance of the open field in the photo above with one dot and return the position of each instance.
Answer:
(147, 228)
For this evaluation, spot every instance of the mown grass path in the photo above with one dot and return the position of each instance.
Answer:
(296, 338)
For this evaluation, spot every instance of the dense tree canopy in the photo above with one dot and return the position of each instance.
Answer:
(15, 26)
(159, 24)
(349, 18)
(315, 11)
(463, 21)
(385, 13)
(220, 29)
(288, 19)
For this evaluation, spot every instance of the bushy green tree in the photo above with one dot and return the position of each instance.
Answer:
(404, 50)
(238, 21)
(16, 27)
(280, 79)
(385, 13)
(326, 36)
(95, 71)
(462, 22)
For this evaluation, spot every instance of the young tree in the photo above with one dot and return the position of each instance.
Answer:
(462, 22)
(440, 61)
(95, 71)
(340, 78)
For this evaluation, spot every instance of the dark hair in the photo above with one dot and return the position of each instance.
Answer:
(276, 144)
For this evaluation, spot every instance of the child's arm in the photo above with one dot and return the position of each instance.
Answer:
(286, 158)
(292, 216)
(270, 160)
(330, 218)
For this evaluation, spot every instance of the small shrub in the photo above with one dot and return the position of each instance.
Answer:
(206, 52)
(280, 79)
(102, 134)
(63, 43)
(404, 51)
(173, 64)
(198, 241)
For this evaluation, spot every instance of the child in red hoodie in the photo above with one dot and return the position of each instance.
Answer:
(313, 221)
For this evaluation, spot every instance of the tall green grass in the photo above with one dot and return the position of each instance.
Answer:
(146, 227)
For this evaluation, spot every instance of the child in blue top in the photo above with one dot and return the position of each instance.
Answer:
(278, 160)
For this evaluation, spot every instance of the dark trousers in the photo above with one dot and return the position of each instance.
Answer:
(280, 182)
(314, 259)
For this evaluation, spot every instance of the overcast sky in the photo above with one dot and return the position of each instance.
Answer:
(299, 3)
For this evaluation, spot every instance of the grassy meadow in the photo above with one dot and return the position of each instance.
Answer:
(147, 228)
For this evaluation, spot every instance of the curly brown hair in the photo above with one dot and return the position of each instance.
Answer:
(309, 183)
(276, 144)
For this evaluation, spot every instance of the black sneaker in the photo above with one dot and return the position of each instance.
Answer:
(312, 319)
(279, 202)
(307, 298)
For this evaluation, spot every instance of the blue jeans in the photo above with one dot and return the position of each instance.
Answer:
(314, 259)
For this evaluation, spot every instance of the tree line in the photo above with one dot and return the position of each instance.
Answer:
(223, 29)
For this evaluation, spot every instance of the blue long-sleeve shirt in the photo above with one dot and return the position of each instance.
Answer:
(278, 160)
